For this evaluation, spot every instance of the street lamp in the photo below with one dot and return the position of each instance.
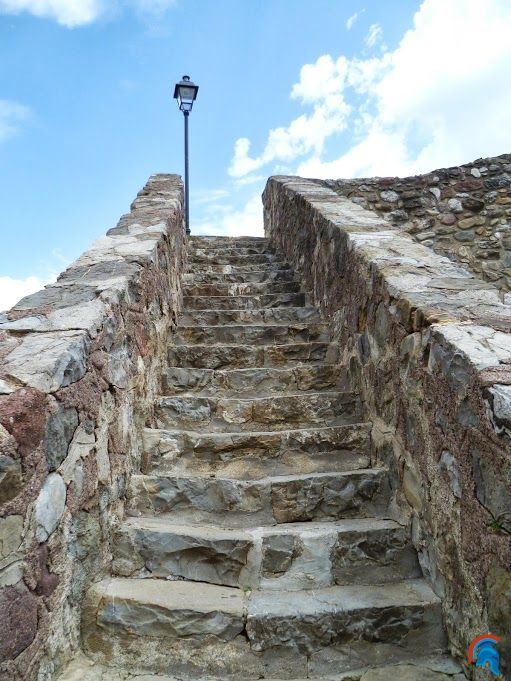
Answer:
(186, 92)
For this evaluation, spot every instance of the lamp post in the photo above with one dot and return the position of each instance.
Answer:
(186, 92)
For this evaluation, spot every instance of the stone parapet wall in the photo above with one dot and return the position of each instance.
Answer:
(462, 212)
(80, 364)
(429, 346)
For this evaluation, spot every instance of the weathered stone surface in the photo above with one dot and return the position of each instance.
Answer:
(245, 302)
(11, 529)
(59, 432)
(307, 621)
(10, 478)
(169, 609)
(431, 395)
(18, 624)
(50, 506)
(258, 413)
(49, 361)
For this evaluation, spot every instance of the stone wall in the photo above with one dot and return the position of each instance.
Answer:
(429, 346)
(462, 212)
(80, 363)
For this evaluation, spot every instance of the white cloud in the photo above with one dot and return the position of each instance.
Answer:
(69, 13)
(73, 13)
(12, 290)
(351, 20)
(413, 109)
(228, 221)
(11, 115)
(374, 35)
(320, 85)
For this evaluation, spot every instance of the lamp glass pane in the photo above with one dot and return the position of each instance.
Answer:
(186, 94)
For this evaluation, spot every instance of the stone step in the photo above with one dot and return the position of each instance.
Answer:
(405, 614)
(276, 412)
(290, 556)
(240, 288)
(195, 629)
(268, 315)
(257, 276)
(276, 499)
(252, 382)
(252, 455)
(437, 668)
(228, 256)
(238, 250)
(248, 334)
(215, 268)
(220, 243)
(244, 302)
(249, 356)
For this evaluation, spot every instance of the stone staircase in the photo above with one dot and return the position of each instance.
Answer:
(257, 543)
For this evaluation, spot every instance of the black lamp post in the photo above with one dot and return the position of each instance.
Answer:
(186, 92)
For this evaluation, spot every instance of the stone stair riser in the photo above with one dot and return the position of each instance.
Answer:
(269, 315)
(297, 557)
(241, 289)
(248, 335)
(267, 381)
(244, 302)
(246, 356)
(256, 455)
(240, 249)
(215, 268)
(267, 500)
(255, 277)
(262, 413)
(226, 257)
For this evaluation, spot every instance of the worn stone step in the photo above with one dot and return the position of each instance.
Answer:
(257, 276)
(277, 412)
(249, 356)
(229, 256)
(252, 455)
(404, 614)
(238, 250)
(261, 334)
(277, 499)
(223, 241)
(437, 668)
(268, 315)
(241, 288)
(198, 629)
(244, 302)
(290, 556)
(252, 382)
(212, 267)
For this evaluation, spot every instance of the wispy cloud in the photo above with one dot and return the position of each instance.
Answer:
(12, 115)
(351, 20)
(374, 35)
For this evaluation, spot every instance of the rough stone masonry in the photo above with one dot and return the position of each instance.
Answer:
(300, 468)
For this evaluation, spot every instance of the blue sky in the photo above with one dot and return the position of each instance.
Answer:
(323, 88)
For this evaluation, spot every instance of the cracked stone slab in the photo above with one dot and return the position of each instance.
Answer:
(268, 315)
(49, 361)
(173, 609)
(248, 455)
(278, 499)
(248, 356)
(219, 414)
(244, 302)
(263, 334)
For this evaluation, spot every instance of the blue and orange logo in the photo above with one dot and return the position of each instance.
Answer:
(483, 653)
